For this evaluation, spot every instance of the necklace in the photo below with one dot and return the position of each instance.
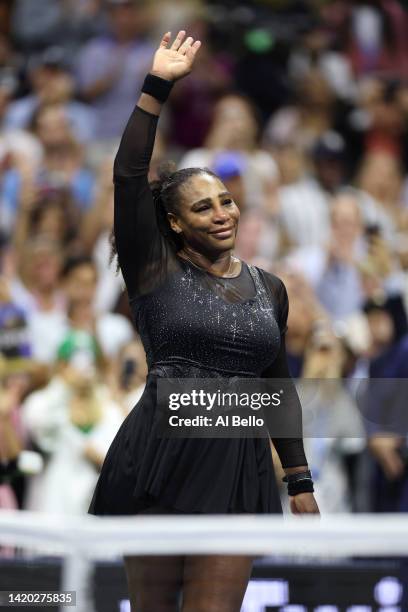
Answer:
(233, 260)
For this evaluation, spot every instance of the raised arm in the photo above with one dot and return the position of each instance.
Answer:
(138, 241)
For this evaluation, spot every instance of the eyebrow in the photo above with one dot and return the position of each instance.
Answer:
(209, 200)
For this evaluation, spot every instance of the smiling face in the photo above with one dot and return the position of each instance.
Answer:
(207, 216)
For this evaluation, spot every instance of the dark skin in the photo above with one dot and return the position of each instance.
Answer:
(208, 221)
(207, 218)
(206, 206)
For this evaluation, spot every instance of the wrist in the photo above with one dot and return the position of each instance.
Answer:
(305, 474)
(300, 482)
(161, 75)
(157, 87)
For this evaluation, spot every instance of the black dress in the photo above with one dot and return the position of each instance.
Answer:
(192, 324)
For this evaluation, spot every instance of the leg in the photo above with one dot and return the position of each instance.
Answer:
(215, 583)
(154, 583)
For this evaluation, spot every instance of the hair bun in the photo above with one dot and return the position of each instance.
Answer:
(165, 170)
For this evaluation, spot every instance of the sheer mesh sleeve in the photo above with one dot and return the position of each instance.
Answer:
(142, 252)
(290, 450)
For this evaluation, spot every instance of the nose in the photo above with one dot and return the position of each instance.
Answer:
(220, 215)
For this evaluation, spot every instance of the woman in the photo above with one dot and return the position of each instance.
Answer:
(200, 313)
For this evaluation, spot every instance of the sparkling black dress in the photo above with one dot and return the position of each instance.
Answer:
(192, 324)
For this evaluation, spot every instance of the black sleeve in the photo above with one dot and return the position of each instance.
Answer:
(140, 246)
(290, 449)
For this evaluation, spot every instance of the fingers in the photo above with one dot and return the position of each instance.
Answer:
(186, 45)
(178, 41)
(192, 50)
(165, 40)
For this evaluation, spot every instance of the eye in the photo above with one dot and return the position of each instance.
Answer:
(227, 202)
(203, 207)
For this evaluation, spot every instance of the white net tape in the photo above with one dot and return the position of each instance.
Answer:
(83, 540)
(101, 538)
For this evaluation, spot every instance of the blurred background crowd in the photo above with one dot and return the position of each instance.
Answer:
(301, 107)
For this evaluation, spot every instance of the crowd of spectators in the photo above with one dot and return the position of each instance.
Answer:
(302, 109)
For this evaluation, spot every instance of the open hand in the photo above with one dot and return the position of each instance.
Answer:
(175, 61)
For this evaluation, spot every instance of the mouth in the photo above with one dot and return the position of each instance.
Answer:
(223, 233)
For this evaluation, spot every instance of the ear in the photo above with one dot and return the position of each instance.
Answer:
(174, 223)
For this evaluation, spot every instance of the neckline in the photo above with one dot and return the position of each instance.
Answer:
(204, 271)
(244, 266)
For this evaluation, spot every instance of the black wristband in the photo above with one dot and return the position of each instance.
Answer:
(307, 474)
(299, 482)
(157, 87)
(301, 486)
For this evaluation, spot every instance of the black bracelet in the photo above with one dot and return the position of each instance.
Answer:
(157, 87)
(300, 482)
(302, 486)
(307, 474)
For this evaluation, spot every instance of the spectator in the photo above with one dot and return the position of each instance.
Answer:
(381, 178)
(334, 434)
(63, 163)
(235, 128)
(47, 213)
(21, 157)
(332, 419)
(96, 240)
(304, 205)
(37, 25)
(305, 312)
(10, 64)
(334, 269)
(374, 35)
(79, 283)
(258, 239)
(111, 68)
(8, 86)
(316, 49)
(386, 410)
(192, 103)
(37, 287)
(308, 118)
(59, 178)
(52, 83)
(72, 421)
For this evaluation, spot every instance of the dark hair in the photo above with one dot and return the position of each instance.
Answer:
(76, 261)
(166, 197)
(60, 199)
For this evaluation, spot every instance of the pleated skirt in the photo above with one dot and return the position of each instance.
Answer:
(188, 475)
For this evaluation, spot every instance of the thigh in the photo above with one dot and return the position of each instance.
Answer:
(154, 582)
(215, 583)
